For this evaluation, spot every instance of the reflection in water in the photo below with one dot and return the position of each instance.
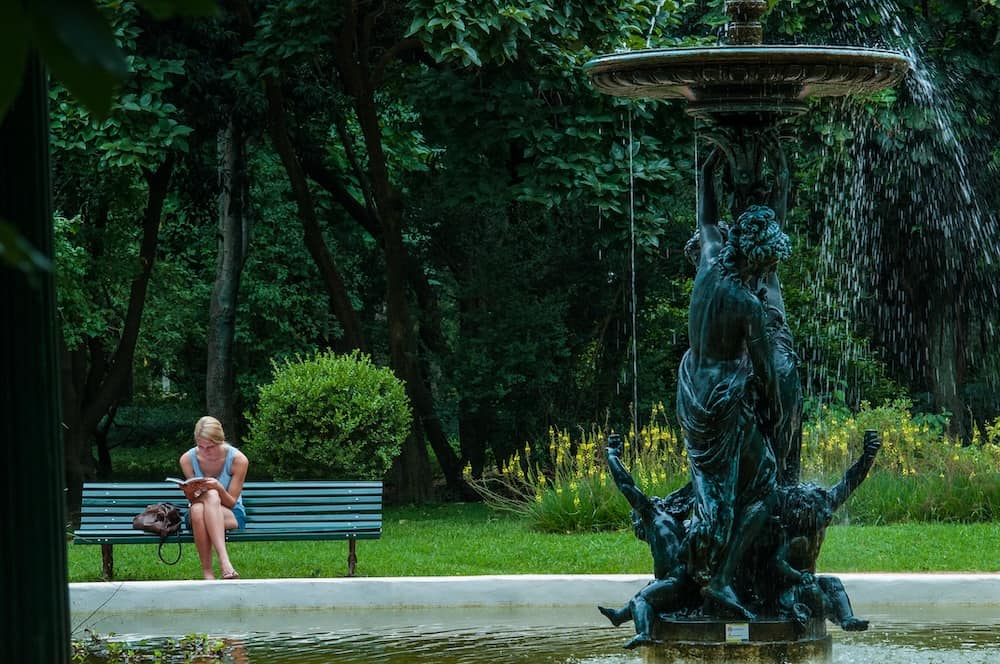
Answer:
(924, 636)
(522, 635)
(446, 646)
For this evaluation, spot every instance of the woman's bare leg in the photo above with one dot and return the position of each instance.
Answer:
(202, 541)
(217, 520)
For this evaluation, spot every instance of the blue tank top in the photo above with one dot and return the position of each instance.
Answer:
(225, 476)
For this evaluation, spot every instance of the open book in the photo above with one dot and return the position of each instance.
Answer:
(181, 482)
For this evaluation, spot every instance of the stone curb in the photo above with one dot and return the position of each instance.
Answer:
(481, 591)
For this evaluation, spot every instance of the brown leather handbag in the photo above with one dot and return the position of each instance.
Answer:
(163, 519)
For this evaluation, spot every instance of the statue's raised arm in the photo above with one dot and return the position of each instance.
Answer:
(857, 473)
(623, 479)
(782, 177)
(708, 208)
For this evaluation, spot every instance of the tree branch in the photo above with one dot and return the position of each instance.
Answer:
(408, 44)
(321, 175)
(120, 367)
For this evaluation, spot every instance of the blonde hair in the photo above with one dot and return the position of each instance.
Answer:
(209, 428)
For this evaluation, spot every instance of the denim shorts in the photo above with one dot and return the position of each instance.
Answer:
(238, 512)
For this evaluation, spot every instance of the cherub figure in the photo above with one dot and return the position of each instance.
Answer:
(805, 512)
(660, 523)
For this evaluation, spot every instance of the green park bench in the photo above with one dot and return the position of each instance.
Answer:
(276, 511)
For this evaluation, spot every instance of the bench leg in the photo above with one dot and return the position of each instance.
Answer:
(107, 562)
(352, 556)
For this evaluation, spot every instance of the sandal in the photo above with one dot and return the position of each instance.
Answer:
(231, 575)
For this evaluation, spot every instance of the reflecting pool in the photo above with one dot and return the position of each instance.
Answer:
(914, 635)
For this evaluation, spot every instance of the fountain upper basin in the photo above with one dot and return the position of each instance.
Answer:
(723, 80)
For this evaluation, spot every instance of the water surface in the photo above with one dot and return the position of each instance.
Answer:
(574, 635)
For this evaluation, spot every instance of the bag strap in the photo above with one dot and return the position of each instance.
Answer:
(159, 550)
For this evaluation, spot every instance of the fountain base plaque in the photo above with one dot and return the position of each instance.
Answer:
(759, 642)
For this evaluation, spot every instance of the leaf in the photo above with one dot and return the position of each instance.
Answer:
(13, 52)
(77, 45)
(418, 23)
(162, 9)
(16, 252)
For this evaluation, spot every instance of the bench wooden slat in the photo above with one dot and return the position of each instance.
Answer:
(178, 497)
(115, 532)
(136, 506)
(338, 485)
(244, 536)
(294, 523)
(253, 513)
(265, 495)
(276, 511)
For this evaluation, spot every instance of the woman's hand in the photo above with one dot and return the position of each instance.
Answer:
(209, 483)
(195, 490)
(192, 490)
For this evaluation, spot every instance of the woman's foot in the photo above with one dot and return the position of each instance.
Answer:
(208, 574)
(231, 574)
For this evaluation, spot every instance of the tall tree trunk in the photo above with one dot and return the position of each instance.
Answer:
(340, 301)
(476, 415)
(411, 474)
(361, 78)
(946, 344)
(476, 421)
(233, 240)
(34, 599)
(92, 384)
(104, 468)
(403, 334)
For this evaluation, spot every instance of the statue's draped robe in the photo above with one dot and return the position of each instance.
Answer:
(788, 427)
(732, 464)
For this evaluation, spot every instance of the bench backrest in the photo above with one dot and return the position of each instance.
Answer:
(275, 510)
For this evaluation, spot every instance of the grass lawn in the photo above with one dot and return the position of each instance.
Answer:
(459, 539)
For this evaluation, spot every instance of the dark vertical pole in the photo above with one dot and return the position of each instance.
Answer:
(34, 599)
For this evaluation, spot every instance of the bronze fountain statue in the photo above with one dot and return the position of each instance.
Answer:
(735, 550)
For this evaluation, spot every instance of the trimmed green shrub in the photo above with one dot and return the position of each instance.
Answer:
(330, 417)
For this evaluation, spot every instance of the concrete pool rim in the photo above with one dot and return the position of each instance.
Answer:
(529, 590)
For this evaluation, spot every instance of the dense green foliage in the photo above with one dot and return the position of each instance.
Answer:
(438, 184)
(328, 417)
